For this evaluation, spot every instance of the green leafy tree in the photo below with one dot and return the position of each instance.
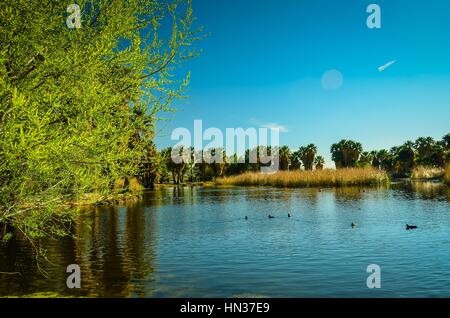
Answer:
(78, 107)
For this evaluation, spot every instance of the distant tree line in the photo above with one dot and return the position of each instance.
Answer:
(398, 161)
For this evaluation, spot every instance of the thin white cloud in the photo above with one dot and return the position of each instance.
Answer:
(262, 124)
(282, 128)
(385, 66)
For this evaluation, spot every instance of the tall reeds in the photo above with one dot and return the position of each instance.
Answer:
(447, 175)
(423, 172)
(316, 178)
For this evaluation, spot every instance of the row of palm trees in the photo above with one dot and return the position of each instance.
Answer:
(425, 151)
(399, 160)
(203, 165)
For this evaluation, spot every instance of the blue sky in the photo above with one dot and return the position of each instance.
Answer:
(263, 63)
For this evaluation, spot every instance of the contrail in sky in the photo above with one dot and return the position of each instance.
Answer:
(385, 66)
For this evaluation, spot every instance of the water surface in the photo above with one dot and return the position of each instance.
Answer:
(194, 242)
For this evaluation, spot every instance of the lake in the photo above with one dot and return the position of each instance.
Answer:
(196, 242)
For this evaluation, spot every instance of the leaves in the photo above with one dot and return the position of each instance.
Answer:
(78, 106)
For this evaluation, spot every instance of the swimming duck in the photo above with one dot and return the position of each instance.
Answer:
(411, 227)
(354, 225)
(271, 217)
(246, 217)
(289, 215)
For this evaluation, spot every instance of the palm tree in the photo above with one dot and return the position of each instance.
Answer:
(174, 167)
(284, 155)
(177, 166)
(307, 156)
(202, 164)
(220, 162)
(365, 160)
(425, 147)
(404, 158)
(252, 159)
(295, 160)
(375, 159)
(319, 162)
(346, 153)
(446, 146)
(446, 141)
(386, 159)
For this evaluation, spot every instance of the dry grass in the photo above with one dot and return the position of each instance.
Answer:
(134, 184)
(317, 178)
(447, 175)
(422, 172)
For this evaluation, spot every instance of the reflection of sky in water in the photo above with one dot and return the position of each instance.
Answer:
(196, 242)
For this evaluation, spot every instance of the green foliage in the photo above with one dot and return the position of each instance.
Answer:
(284, 155)
(307, 155)
(346, 153)
(78, 106)
(365, 159)
(319, 162)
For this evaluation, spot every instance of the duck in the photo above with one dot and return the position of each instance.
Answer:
(289, 215)
(246, 217)
(411, 227)
(354, 225)
(271, 216)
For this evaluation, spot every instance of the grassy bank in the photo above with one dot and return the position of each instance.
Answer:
(423, 172)
(38, 217)
(317, 178)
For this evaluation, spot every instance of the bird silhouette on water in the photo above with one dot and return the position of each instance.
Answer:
(271, 217)
(289, 215)
(411, 227)
(246, 217)
(354, 225)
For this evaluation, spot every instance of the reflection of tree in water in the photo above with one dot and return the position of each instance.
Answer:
(349, 194)
(424, 190)
(311, 196)
(43, 275)
(430, 190)
(121, 251)
(15, 258)
(115, 248)
(140, 247)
